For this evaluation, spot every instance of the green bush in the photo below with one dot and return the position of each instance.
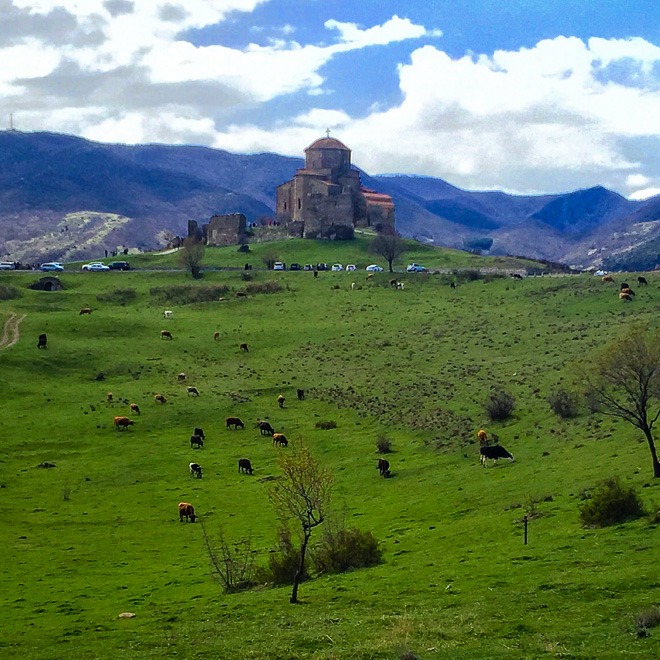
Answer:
(330, 424)
(282, 563)
(117, 296)
(271, 286)
(563, 403)
(343, 549)
(646, 619)
(187, 294)
(9, 292)
(383, 444)
(611, 502)
(499, 405)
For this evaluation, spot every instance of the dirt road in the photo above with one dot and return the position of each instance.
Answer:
(10, 332)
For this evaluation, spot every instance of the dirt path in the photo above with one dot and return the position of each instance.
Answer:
(10, 333)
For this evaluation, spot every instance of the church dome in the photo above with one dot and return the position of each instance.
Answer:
(327, 143)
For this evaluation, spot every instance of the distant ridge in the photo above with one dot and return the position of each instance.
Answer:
(151, 189)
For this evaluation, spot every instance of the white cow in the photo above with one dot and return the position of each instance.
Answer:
(167, 314)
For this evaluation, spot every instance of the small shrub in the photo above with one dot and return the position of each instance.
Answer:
(9, 292)
(232, 564)
(646, 619)
(408, 655)
(383, 444)
(330, 424)
(282, 563)
(243, 248)
(117, 296)
(343, 549)
(563, 403)
(271, 286)
(246, 277)
(499, 405)
(611, 503)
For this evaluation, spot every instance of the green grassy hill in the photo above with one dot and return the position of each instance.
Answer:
(98, 534)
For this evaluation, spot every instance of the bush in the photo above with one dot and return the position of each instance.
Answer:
(232, 564)
(646, 619)
(563, 404)
(9, 292)
(118, 296)
(187, 294)
(343, 549)
(271, 286)
(383, 444)
(330, 424)
(246, 277)
(499, 405)
(611, 503)
(282, 563)
(244, 248)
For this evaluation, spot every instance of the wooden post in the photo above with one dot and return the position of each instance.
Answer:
(525, 521)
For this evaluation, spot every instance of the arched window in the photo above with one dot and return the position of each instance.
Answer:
(299, 204)
(285, 206)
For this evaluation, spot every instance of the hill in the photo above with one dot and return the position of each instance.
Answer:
(98, 533)
(64, 198)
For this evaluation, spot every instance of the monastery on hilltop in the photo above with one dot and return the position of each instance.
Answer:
(326, 198)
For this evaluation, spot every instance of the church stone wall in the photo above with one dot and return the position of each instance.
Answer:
(226, 230)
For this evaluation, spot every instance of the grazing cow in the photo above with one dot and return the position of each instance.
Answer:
(516, 276)
(85, 310)
(280, 401)
(370, 276)
(352, 286)
(280, 439)
(241, 294)
(186, 511)
(200, 433)
(196, 440)
(384, 467)
(160, 398)
(624, 285)
(400, 286)
(235, 422)
(494, 452)
(123, 422)
(216, 336)
(607, 278)
(244, 348)
(301, 395)
(625, 296)
(628, 290)
(483, 438)
(135, 408)
(166, 334)
(244, 465)
(642, 281)
(180, 377)
(265, 428)
(193, 390)
(43, 340)
(195, 470)
(167, 314)
(393, 282)
(109, 397)
(452, 285)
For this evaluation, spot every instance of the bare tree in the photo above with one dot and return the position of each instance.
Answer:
(191, 256)
(302, 494)
(624, 380)
(389, 245)
(269, 258)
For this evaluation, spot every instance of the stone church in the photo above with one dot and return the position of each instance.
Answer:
(326, 198)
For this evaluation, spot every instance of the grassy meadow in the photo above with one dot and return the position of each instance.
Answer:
(98, 534)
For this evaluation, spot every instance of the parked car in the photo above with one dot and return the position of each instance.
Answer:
(308, 267)
(279, 265)
(337, 267)
(322, 267)
(119, 265)
(415, 268)
(53, 265)
(295, 267)
(374, 268)
(7, 265)
(95, 266)
(351, 267)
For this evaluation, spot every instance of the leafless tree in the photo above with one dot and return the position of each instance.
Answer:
(191, 256)
(389, 245)
(302, 494)
(624, 379)
(269, 258)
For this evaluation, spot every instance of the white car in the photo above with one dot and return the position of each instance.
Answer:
(350, 268)
(95, 266)
(7, 265)
(415, 268)
(374, 268)
(53, 265)
(600, 273)
(278, 265)
(337, 267)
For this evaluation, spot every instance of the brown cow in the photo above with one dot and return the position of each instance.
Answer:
(608, 278)
(166, 334)
(135, 408)
(109, 397)
(186, 511)
(216, 336)
(244, 348)
(483, 438)
(123, 422)
(280, 401)
(160, 398)
(85, 310)
(625, 296)
(235, 422)
(280, 439)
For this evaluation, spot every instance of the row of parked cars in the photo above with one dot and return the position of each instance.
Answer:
(55, 266)
(280, 265)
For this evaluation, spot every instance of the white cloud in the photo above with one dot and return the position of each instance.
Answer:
(636, 180)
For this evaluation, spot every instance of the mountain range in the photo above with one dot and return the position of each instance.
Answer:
(64, 197)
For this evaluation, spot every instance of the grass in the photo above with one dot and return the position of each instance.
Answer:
(99, 533)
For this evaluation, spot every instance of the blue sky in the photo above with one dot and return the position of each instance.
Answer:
(523, 96)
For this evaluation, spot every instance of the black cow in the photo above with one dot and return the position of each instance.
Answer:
(196, 470)
(265, 428)
(624, 285)
(384, 467)
(200, 433)
(43, 340)
(244, 465)
(494, 452)
(196, 440)
(642, 281)
(301, 395)
(452, 285)
(516, 276)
